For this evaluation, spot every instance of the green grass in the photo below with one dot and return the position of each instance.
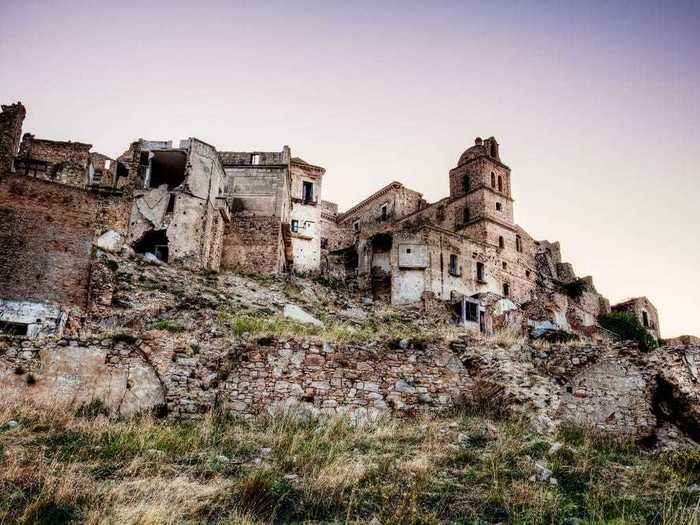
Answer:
(389, 331)
(293, 467)
(169, 326)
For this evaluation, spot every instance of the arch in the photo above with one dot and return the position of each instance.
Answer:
(500, 183)
(493, 179)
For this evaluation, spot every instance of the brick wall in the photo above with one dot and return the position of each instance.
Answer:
(46, 233)
(253, 245)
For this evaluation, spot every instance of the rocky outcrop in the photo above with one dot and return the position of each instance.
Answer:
(78, 372)
(615, 387)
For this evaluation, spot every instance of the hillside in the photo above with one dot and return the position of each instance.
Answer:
(192, 397)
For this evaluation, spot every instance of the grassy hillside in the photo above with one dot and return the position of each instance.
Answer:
(292, 468)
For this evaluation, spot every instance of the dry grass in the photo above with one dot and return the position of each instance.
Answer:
(57, 467)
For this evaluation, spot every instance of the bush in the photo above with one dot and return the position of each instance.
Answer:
(628, 328)
(168, 326)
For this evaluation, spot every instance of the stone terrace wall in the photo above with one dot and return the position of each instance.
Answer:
(324, 377)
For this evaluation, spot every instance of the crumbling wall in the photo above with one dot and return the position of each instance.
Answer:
(186, 210)
(363, 380)
(11, 119)
(75, 372)
(58, 161)
(46, 233)
(253, 245)
(613, 395)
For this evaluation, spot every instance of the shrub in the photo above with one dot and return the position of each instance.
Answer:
(627, 327)
(168, 326)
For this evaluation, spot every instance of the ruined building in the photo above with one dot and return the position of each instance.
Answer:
(179, 208)
(464, 248)
(641, 309)
(263, 212)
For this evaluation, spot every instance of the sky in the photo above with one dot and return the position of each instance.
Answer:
(595, 106)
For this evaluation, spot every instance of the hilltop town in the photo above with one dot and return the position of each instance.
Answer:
(265, 213)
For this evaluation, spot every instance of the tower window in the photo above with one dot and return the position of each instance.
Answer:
(465, 183)
(498, 206)
(645, 319)
(295, 226)
(385, 212)
(493, 179)
(506, 289)
(356, 226)
(501, 242)
(500, 183)
(308, 191)
(466, 215)
(518, 243)
(480, 271)
(255, 159)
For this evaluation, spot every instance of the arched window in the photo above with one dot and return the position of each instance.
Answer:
(500, 183)
(467, 216)
(506, 289)
(493, 179)
(501, 242)
(518, 243)
(465, 183)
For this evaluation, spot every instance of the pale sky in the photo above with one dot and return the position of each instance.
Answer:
(595, 105)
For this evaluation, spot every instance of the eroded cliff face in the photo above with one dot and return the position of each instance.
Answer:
(75, 373)
(614, 387)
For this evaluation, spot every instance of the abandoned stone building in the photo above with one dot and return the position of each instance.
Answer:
(306, 214)
(464, 248)
(644, 311)
(179, 208)
(275, 202)
(263, 212)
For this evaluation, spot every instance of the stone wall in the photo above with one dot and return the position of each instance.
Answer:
(76, 372)
(644, 311)
(253, 245)
(46, 233)
(11, 119)
(59, 161)
(364, 380)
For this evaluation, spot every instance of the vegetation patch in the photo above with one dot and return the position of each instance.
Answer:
(297, 467)
(628, 328)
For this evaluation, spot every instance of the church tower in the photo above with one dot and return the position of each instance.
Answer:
(482, 181)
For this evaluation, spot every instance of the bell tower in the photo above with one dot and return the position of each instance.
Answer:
(482, 181)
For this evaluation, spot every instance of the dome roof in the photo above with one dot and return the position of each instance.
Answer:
(477, 150)
(481, 148)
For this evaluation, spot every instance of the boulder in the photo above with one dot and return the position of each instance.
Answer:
(293, 312)
(110, 241)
